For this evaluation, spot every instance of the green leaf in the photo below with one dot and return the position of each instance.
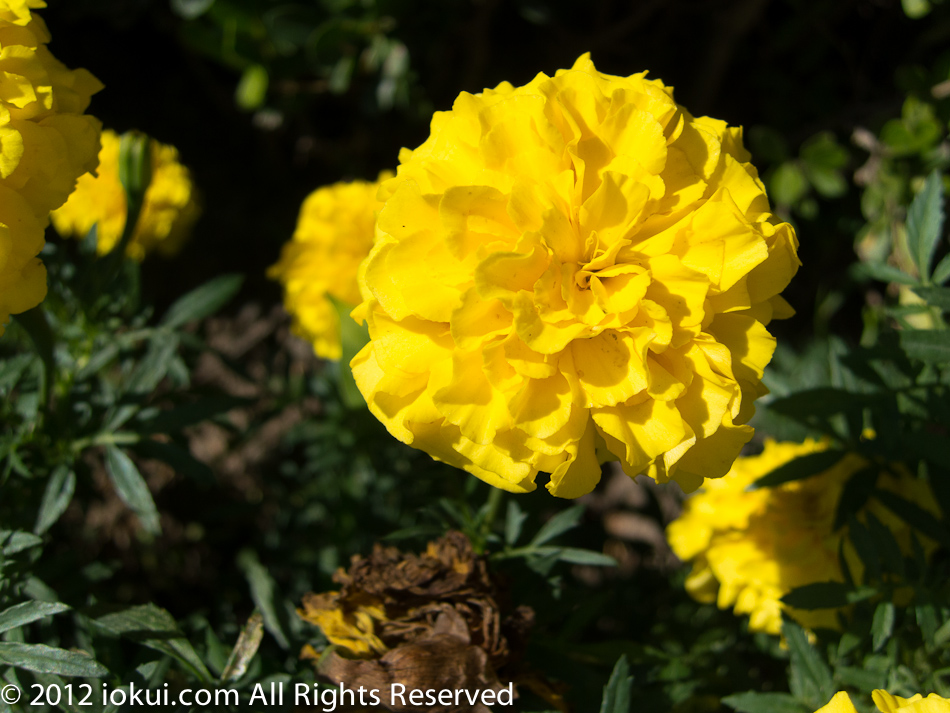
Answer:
(818, 595)
(153, 367)
(927, 621)
(575, 555)
(800, 468)
(855, 494)
(12, 369)
(828, 182)
(942, 271)
(557, 525)
(824, 150)
(47, 659)
(15, 541)
(915, 516)
(131, 487)
(788, 184)
(882, 626)
(809, 673)
(935, 296)
(866, 548)
(22, 614)
(754, 702)
(156, 629)
(353, 337)
(931, 345)
(56, 498)
(203, 301)
(883, 273)
(861, 678)
(616, 698)
(924, 223)
(514, 520)
(262, 592)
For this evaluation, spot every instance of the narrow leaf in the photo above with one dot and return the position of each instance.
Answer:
(26, 612)
(514, 520)
(262, 592)
(560, 523)
(56, 498)
(883, 273)
(915, 516)
(15, 541)
(155, 628)
(616, 698)
(924, 223)
(931, 345)
(814, 673)
(882, 626)
(935, 296)
(131, 487)
(754, 702)
(203, 301)
(800, 468)
(47, 659)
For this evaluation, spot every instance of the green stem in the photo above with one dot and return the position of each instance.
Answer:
(495, 498)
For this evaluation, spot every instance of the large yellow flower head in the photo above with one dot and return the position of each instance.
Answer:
(749, 548)
(569, 272)
(334, 235)
(887, 703)
(168, 211)
(45, 145)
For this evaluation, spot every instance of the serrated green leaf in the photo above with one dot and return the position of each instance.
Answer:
(557, 525)
(514, 520)
(882, 625)
(203, 301)
(47, 659)
(800, 468)
(818, 595)
(616, 698)
(26, 612)
(263, 592)
(924, 223)
(56, 498)
(754, 702)
(156, 629)
(808, 668)
(931, 345)
(131, 487)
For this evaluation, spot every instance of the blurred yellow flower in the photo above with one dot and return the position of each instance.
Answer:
(571, 272)
(886, 703)
(750, 548)
(168, 211)
(45, 144)
(334, 235)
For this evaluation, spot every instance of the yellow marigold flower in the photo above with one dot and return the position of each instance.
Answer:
(334, 235)
(750, 548)
(886, 703)
(45, 144)
(570, 272)
(168, 211)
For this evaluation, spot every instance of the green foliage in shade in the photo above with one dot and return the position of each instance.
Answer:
(800, 468)
(617, 691)
(48, 659)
